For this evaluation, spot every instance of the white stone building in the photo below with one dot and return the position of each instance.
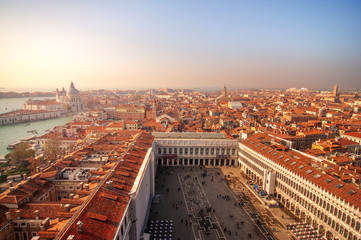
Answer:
(70, 99)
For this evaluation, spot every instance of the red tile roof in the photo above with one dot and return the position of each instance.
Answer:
(103, 210)
(296, 160)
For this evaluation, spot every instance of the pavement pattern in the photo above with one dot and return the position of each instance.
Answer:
(202, 206)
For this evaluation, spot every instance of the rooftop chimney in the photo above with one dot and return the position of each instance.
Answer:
(86, 187)
(8, 217)
(71, 196)
(70, 237)
(36, 212)
(18, 214)
(80, 226)
(45, 223)
(66, 207)
(109, 184)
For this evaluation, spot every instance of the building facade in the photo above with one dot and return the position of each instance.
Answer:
(325, 202)
(20, 116)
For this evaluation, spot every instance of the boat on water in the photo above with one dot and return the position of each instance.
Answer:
(34, 132)
(26, 124)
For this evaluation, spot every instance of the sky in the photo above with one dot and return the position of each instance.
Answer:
(180, 44)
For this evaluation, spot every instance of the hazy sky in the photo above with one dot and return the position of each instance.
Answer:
(180, 44)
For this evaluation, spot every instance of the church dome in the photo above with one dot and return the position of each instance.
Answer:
(72, 90)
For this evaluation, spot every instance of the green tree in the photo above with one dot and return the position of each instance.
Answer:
(52, 149)
(21, 153)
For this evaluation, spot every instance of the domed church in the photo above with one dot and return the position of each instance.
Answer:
(70, 99)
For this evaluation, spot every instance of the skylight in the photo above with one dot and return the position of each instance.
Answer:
(351, 192)
(280, 157)
(275, 154)
(269, 151)
(263, 148)
(293, 163)
(308, 171)
(328, 180)
(339, 186)
(300, 167)
(317, 176)
(287, 159)
(258, 145)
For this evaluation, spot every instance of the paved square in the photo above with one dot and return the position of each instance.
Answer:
(201, 206)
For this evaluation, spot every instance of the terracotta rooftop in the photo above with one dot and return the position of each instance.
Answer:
(104, 207)
(301, 165)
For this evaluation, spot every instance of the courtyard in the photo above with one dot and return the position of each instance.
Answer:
(197, 203)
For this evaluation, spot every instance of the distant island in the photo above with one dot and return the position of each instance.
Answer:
(26, 94)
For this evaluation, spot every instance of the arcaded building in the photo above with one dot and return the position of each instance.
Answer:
(301, 185)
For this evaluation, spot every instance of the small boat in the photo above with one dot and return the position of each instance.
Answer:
(34, 132)
(26, 124)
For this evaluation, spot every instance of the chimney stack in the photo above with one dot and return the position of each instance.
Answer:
(8, 217)
(45, 223)
(71, 196)
(66, 207)
(18, 214)
(109, 184)
(80, 226)
(36, 212)
(86, 187)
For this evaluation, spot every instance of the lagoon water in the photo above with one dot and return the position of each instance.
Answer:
(13, 133)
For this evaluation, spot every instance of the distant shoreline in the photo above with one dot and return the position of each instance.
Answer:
(26, 94)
